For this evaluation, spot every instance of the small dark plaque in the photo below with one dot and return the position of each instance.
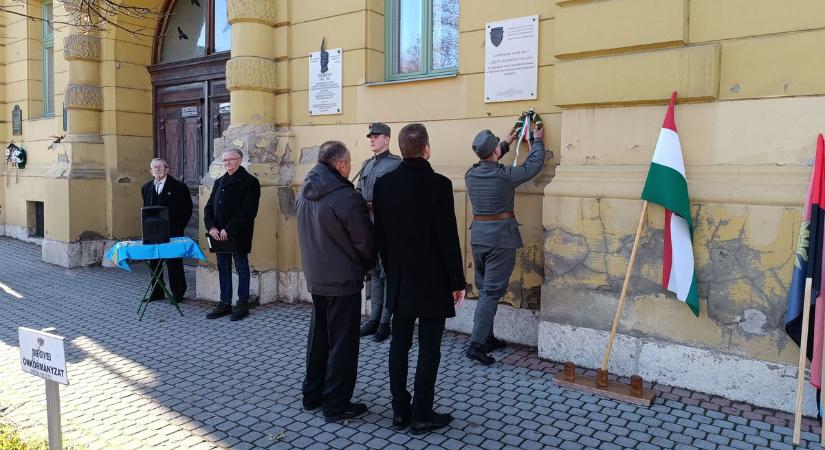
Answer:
(17, 120)
(65, 117)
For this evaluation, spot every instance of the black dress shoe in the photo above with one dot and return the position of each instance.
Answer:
(400, 422)
(239, 312)
(477, 352)
(311, 405)
(494, 344)
(435, 422)
(383, 333)
(353, 410)
(220, 311)
(369, 327)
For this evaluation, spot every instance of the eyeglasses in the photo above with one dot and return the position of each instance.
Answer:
(230, 159)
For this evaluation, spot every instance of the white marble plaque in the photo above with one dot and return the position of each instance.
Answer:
(511, 59)
(325, 82)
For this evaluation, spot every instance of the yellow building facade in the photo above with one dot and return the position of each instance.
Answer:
(186, 83)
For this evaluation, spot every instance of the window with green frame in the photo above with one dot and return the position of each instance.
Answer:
(421, 38)
(47, 44)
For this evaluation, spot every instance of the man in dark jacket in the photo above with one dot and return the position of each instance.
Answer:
(165, 190)
(337, 250)
(417, 239)
(230, 212)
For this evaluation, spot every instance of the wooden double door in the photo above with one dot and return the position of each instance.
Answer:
(191, 110)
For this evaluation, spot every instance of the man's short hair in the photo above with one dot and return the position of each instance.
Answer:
(412, 139)
(166, 164)
(332, 152)
(235, 151)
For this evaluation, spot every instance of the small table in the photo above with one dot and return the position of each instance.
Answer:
(178, 247)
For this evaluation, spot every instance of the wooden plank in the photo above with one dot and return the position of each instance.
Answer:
(614, 390)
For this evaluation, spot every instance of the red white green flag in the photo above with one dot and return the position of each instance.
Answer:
(666, 185)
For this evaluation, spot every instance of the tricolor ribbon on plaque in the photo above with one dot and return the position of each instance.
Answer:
(524, 129)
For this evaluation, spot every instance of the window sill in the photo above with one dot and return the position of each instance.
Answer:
(412, 80)
(48, 116)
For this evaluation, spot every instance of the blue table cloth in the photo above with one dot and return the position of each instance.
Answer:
(178, 247)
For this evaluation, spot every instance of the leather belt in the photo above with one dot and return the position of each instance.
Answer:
(491, 217)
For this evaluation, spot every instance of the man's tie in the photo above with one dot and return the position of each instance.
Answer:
(157, 187)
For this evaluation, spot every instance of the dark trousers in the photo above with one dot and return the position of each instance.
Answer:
(225, 276)
(494, 266)
(332, 351)
(429, 357)
(174, 272)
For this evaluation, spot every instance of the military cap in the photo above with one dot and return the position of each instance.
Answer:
(379, 128)
(484, 143)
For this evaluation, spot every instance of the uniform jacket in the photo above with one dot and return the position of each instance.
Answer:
(417, 239)
(176, 197)
(233, 205)
(372, 169)
(335, 233)
(492, 189)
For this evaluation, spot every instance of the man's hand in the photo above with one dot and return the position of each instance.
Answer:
(539, 133)
(511, 136)
(223, 235)
(214, 233)
(458, 297)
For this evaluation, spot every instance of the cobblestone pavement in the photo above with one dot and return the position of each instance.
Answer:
(185, 382)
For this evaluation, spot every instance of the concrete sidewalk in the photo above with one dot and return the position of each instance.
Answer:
(185, 382)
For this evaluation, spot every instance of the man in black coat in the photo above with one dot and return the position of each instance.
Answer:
(230, 213)
(337, 250)
(165, 190)
(417, 240)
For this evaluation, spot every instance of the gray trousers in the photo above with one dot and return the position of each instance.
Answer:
(493, 269)
(378, 294)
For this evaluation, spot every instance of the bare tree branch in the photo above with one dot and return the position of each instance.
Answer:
(93, 16)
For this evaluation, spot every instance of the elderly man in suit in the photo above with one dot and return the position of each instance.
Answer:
(417, 240)
(165, 190)
(230, 212)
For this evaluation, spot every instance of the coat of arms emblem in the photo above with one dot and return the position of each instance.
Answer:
(496, 35)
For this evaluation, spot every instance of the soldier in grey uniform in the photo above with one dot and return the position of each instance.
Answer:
(495, 234)
(383, 161)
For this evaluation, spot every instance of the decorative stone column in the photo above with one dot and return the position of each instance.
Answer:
(252, 82)
(76, 196)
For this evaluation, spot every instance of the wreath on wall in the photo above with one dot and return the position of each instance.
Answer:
(15, 156)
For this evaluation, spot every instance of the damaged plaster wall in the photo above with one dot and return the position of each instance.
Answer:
(743, 258)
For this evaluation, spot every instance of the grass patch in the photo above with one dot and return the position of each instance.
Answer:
(10, 439)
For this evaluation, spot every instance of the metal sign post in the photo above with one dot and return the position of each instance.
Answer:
(42, 354)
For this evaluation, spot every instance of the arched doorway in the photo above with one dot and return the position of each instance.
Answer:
(191, 103)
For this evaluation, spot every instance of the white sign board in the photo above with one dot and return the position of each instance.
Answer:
(511, 59)
(325, 82)
(42, 354)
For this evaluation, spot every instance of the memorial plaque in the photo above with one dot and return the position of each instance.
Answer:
(17, 121)
(511, 59)
(325, 82)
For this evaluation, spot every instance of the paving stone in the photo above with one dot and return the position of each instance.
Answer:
(190, 396)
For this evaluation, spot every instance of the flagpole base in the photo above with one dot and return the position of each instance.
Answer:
(634, 392)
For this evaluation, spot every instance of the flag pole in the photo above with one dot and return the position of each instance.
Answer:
(624, 288)
(803, 355)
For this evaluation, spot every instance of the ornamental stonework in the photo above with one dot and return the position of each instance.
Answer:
(84, 97)
(81, 47)
(251, 73)
(261, 11)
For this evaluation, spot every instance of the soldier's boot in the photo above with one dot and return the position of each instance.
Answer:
(383, 333)
(369, 327)
(494, 344)
(478, 353)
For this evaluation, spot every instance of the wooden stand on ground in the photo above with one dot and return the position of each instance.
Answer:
(601, 385)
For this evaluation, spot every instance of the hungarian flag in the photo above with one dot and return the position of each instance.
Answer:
(808, 264)
(666, 185)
